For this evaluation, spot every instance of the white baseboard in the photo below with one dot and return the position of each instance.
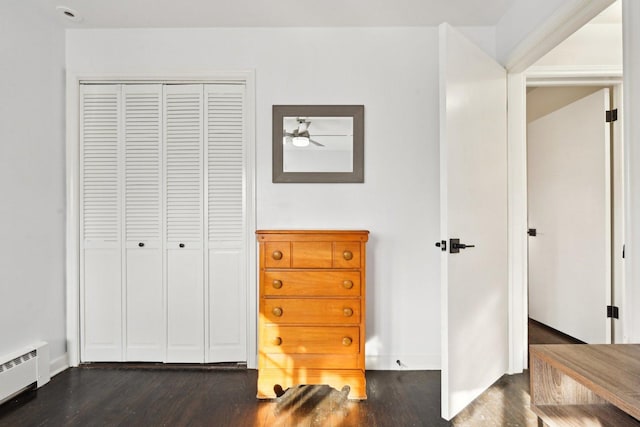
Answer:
(382, 362)
(59, 364)
(407, 362)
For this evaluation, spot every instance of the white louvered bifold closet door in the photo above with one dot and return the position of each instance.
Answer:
(163, 223)
(184, 182)
(226, 228)
(100, 223)
(143, 284)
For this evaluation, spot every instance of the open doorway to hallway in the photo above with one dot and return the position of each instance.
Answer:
(575, 185)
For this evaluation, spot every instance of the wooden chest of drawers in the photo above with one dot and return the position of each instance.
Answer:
(312, 310)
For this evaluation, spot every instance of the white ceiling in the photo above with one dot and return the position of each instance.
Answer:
(611, 15)
(275, 13)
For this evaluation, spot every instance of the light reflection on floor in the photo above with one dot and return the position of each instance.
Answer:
(505, 404)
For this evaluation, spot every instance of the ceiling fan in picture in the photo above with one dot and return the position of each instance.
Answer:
(300, 136)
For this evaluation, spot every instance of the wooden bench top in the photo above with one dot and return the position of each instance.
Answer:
(612, 371)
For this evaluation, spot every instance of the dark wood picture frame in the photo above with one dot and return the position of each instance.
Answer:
(279, 112)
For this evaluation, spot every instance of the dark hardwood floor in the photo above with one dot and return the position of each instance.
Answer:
(208, 397)
(151, 395)
(543, 334)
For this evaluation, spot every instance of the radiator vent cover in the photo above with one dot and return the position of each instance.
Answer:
(24, 368)
(17, 361)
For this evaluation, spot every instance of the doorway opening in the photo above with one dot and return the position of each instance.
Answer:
(575, 209)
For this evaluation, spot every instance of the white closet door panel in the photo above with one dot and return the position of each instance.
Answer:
(226, 216)
(143, 222)
(184, 182)
(100, 223)
(227, 306)
(184, 162)
(102, 331)
(185, 300)
(224, 136)
(145, 311)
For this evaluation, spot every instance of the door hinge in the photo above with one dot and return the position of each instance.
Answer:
(623, 249)
(532, 232)
(613, 312)
(611, 115)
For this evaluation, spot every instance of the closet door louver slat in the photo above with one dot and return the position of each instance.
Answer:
(100, 170)
(100, 220)
(225, 168)
(183, 114)
(143, 185)
(226, 174)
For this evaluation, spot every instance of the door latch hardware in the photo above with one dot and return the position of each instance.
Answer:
(455, 246)
(442, 245)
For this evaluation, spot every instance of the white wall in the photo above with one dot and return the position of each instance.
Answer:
(522, 19)
(594, 45)
(393, 72)
(544, 100)
(32, 180)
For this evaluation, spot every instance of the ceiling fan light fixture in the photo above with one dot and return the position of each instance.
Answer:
(300, 141)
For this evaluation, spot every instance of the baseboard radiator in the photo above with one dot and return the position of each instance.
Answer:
(24, 369)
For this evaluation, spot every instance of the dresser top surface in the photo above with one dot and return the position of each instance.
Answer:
(309, 235)
(312, 231)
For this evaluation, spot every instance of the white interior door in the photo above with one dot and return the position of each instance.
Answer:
(569, 202)
(473, 162)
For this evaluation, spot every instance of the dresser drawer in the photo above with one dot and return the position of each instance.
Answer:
(289, 362)
(309, 254)
(311, 339)
(318, 310)
(277, 254)
(311, 283)
(346, 254)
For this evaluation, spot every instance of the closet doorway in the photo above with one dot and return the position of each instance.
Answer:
(164, 224)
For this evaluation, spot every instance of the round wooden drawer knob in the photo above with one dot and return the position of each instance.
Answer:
(348, 284)
(277, 311)
(277, 255)
(348, 255)
(277, 284)
(348, 312)
(277, 341)
(346, 341)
